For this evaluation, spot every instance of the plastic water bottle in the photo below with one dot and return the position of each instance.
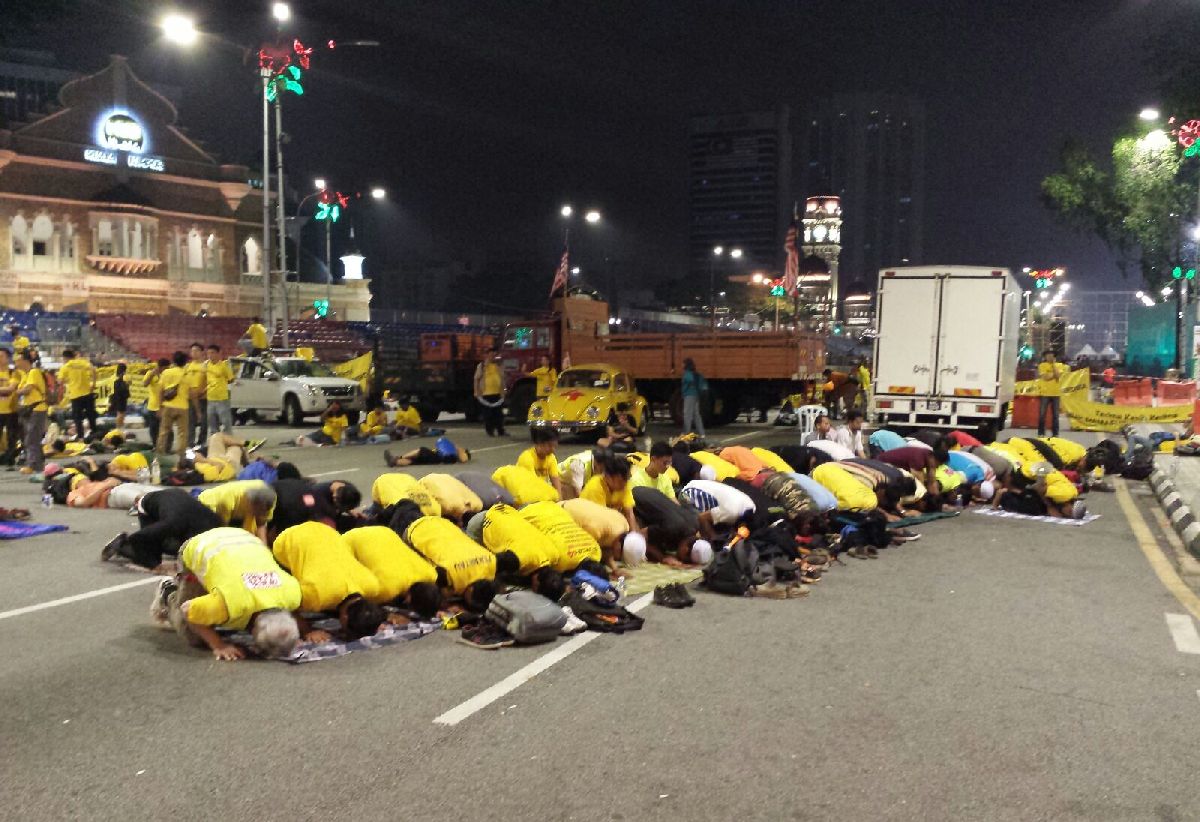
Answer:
(143, 475)
(155, 472)
(47, 500)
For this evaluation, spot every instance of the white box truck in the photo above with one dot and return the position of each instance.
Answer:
(946, 354)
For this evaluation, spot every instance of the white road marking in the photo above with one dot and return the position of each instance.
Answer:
(1183, 631)
(743, 436)
(99, 592)
(331, 473)
(510, 683)
(519, 443)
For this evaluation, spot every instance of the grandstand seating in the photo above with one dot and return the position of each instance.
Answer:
(155, 335)
(333, 341)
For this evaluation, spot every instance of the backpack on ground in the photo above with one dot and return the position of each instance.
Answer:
(1106, 454)
(600, 616)
(58, 487)
(734, 570)
(529, 617)
(1138, 465)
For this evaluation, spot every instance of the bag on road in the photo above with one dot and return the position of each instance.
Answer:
(529, 617)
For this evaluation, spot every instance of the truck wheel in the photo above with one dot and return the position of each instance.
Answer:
(292, 415)
(522, 396)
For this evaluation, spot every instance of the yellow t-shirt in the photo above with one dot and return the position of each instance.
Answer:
(11, 379)
(603, 524)
(464, 560)
(864, 377)
(493, 379)
(546, 377)
(640, 459)
(257, 332)
(1069, 452)
(724, 469)
(396, 567)
(217, 376)
(574, 545)
(948, 478)
(455, 498)
(173, 378)
(388, 489)
(76, 377)
(851, 494)
(240, 577)
(408, 418)
(223, 472)
(153, 391)
(1049, 376)
(640, 478)
(545, 467)
(772, 460)
(229, 503)
(193, 376)
(596, 491)
(504, 529)
(525, 486)
(334, 426)
(35, 381)
(324, 566)
(21, 343)
(130, 462)
(373, 423)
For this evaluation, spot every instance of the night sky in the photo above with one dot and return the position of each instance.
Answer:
(481, 118)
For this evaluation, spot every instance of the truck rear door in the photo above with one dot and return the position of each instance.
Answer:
(905, 349)
(972, 333)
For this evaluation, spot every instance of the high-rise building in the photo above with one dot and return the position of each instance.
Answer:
(739, 189)
(29, 82)
(1099, 319)
(869, 150)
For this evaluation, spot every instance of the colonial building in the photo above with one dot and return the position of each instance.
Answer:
(106, 206)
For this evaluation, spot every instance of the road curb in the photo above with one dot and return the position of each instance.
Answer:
(1182, 520)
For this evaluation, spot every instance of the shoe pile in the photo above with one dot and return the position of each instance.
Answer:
(673, 595)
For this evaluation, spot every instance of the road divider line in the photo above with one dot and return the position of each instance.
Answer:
(1183, 631)
(515, 680)
(99, 592)
(754, 433)
(1159, 562)
(331, 473)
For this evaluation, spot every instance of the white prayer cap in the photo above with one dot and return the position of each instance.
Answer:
(633, 551)
(702, 552)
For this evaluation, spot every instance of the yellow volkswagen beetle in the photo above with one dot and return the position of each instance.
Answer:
(586, 398)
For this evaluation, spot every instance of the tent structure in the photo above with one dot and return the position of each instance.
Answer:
(1086, 351)
(1109, 353)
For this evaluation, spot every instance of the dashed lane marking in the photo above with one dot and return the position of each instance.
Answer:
(331, 473)
(1183, 631)
(99, 592)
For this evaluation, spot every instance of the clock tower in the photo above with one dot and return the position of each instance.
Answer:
(823, 241)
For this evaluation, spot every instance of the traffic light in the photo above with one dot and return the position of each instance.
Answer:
(329, 211)
(1178, 273)
(777, 289)
(288, 79)
(321, 307)
(1026, 352)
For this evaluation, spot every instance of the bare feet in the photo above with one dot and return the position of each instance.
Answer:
(317, 636)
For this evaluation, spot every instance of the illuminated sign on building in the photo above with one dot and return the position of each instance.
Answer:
(120, 134)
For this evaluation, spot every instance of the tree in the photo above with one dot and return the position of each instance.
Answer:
(1138, 206)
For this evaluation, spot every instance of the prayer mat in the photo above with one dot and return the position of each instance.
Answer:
(997, 512)
(920, 518)
(649, 575)
(388, 635)
(19, 530)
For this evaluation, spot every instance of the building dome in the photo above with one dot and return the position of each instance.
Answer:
(824, 206)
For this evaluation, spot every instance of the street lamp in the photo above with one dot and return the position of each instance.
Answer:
(1148, 114)
(566, 211)
(757, 278)
(736, 254)
(378, 193)
(592, 216)
(180, 29)
(319, 184)
(281, 12)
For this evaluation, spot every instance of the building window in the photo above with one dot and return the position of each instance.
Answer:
(104, 238)
(19, 231)
(39, 248)
(195, 249)
(251, 257)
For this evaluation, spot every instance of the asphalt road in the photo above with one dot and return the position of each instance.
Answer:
(993, 670)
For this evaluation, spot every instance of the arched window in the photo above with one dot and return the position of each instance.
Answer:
(19, 229)
(40, 234)
(67, 239)
(195, 249)
(251, 257)
(137, 241)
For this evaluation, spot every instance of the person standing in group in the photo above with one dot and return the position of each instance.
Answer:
(863, 373)
(692, 386)
(545, 375)
(489, 392)
(31, 394)
(9, 425)
(153, 383)
(218, 375)
(257, 335)
(175, 404)
(1048, 375)
(118, 403)
(79, 376)
(196, 386)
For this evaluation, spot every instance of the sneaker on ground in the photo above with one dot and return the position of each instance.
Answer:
(387, 457)
(681, 592)
(665, 595)
(113, 548)
(1078, 510)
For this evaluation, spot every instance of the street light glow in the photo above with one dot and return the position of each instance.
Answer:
(1148, 114)
(592, 216)
(575, 270)
(718, 250)
(180, 29)
(566, 211)
(736, 253)
(281, 12)
(378, 192)
(319, 184)
(757, 278)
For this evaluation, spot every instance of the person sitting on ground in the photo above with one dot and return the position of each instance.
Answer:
(722, 508)
(657, 470)
(722, 469)
(746, 461)
(619, 435)
(406, 579)
(408, 419)
(490, 493)
(610, 528)
(575, 547)
(539, 458)
(850, 435)
(166, 519)
(230, 581)
(333, 424)
(301, 500)
(465, 568)
(375, 422)
(248, 504)
(444, 452)
(457, 501)
(390, 489)
(331, 579)
(522, 551)
(611, 488)
(825, 441)
(525, 486)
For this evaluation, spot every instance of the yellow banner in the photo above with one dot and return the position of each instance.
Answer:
(134, 374)
(1086, 415)
(360, 368)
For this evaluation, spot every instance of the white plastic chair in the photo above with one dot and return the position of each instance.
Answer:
(806, 417)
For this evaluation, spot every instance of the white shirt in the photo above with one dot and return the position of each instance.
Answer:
(835, 450)
(852, 440)
(726, 504)
(913, 441)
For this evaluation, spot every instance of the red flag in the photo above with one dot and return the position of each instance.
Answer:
(791, 271)
(560, 275)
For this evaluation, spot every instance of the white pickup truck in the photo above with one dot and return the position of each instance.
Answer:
(290, 388)
(946, 354)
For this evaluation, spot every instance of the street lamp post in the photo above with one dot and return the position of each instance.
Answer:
(718, 252)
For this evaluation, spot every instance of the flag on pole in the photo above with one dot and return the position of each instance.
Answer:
(791, 270)
(560, 274)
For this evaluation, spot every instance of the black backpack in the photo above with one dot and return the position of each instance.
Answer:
(1106, 454)
(735, 569)
(58, 487)
(1138, 465)
(602, 617)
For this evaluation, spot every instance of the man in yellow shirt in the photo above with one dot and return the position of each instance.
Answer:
(546, 377)
(331, 579)
(20, 342)
(334, 423)
(521, 549)
(408, 418)
(247, 504)
(31, 399)
(78, 377)
(218, 375)
(257, 334)
(375, 422)
(9, 427)
(174, 413)
(153, 383)
(489, 393)
(405, 577)
(575, 547)
(523, 485)
(1048, 375)
(540, 457)
(457, 501)
(465, 568)
(230, 580)
(197, 384)
(611, 488)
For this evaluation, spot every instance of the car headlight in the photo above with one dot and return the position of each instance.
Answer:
(312, 391)
(592, 412)
(536, 411)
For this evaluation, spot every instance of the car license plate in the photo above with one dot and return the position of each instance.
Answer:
(933, 405)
